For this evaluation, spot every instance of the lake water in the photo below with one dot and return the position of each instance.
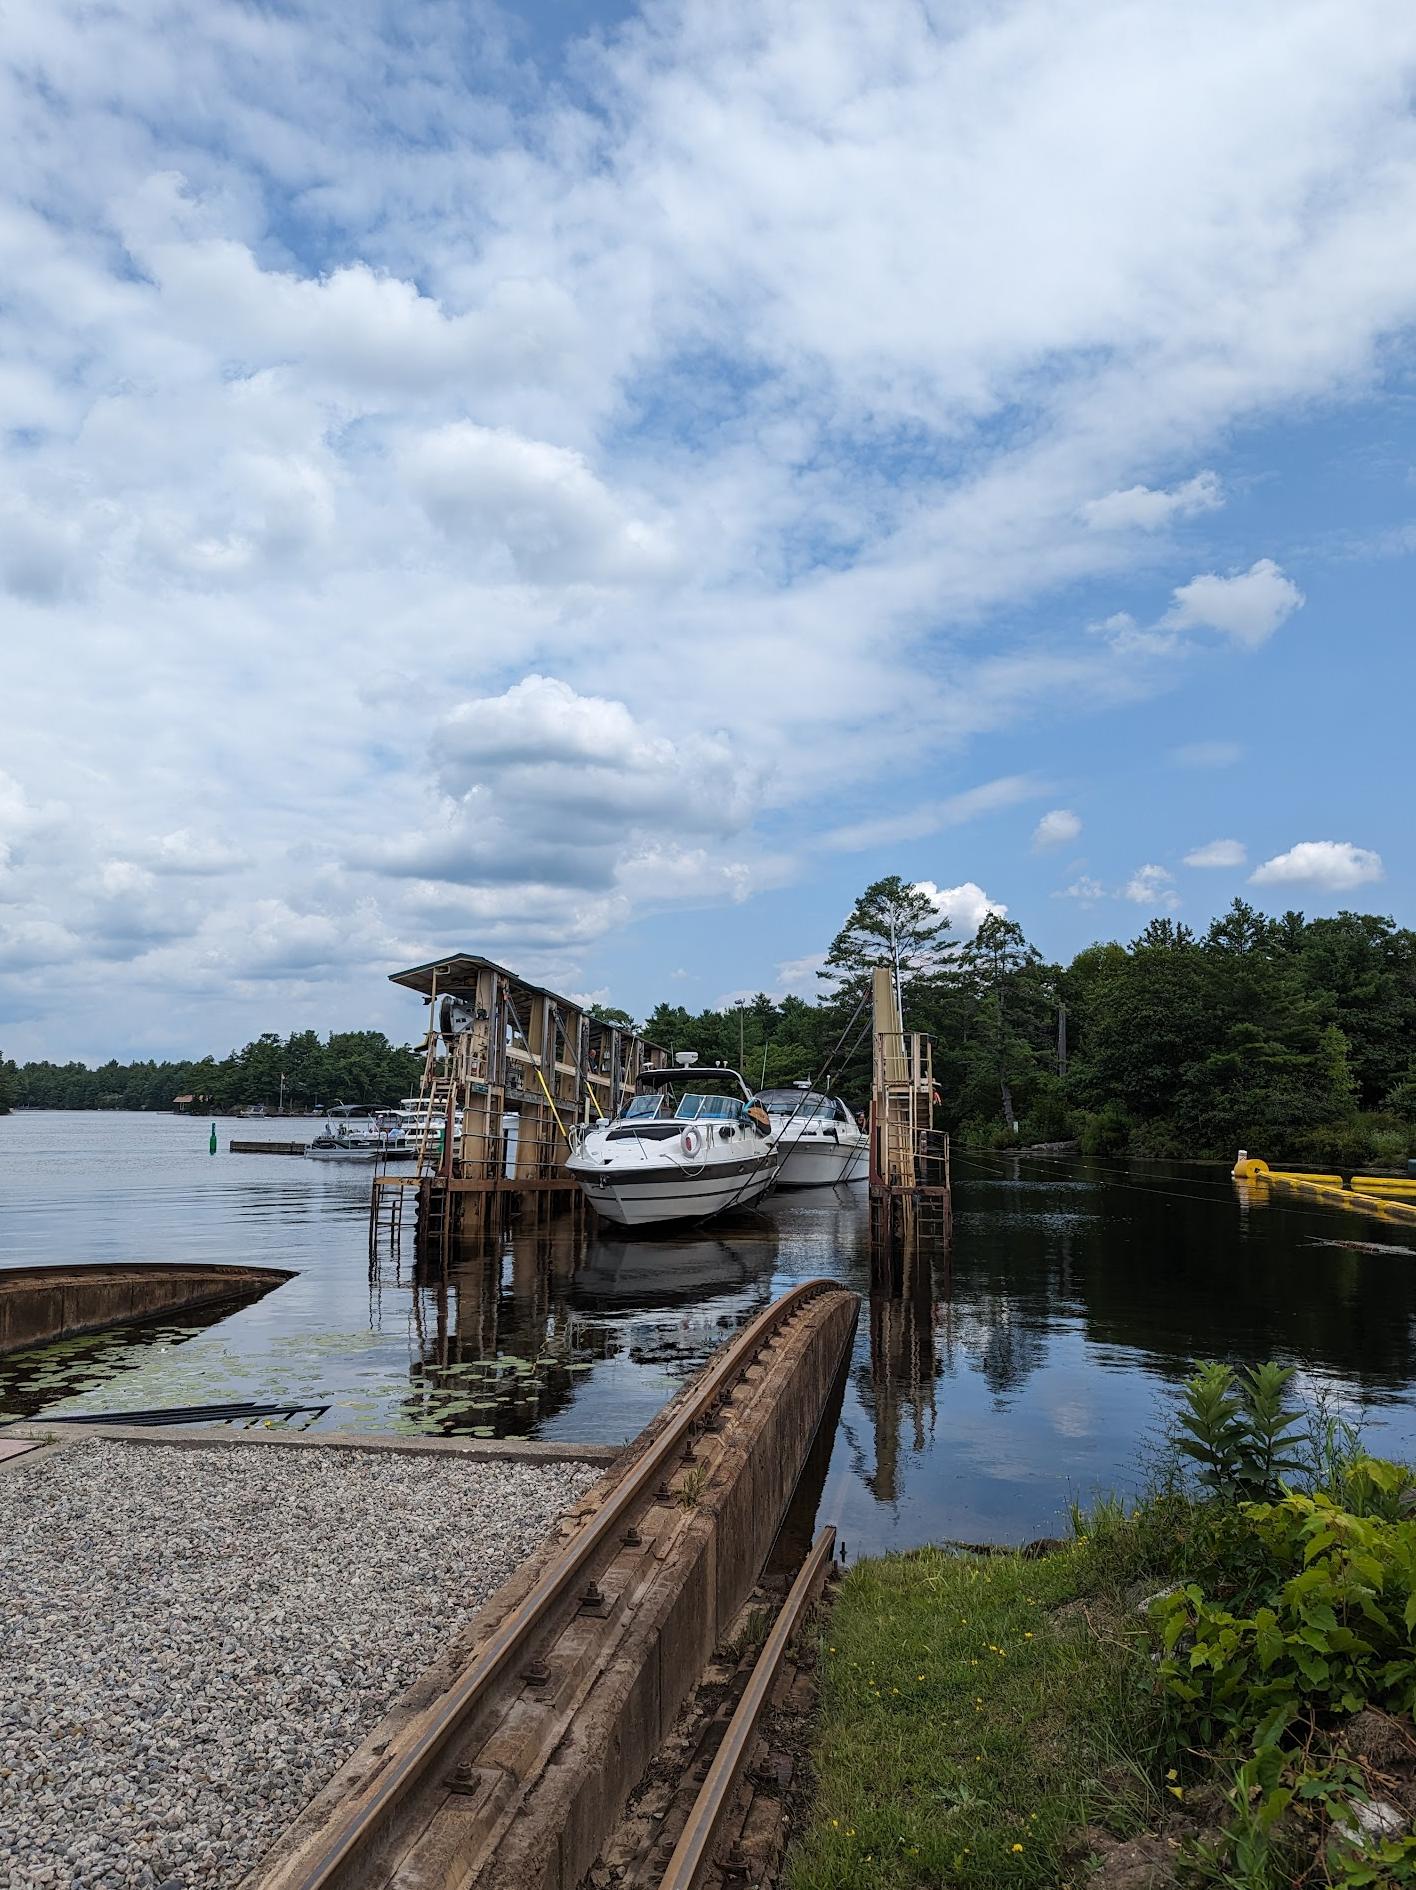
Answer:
(1025, 1367)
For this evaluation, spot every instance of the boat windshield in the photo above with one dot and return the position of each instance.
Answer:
(641, 1107)
(720, 1108)
(800, 1103)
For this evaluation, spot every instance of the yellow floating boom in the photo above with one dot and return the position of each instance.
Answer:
(1384, 1197)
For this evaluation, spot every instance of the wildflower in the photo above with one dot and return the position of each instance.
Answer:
(1028, 1635)
(1017, 1847)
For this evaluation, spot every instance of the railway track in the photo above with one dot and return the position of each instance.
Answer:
(510, 1775)
(706, 1827)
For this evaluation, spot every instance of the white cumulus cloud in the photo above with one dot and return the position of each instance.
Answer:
(1146, 509)
(1248, 607)
(537, 505)
(1326, 865)
(1218, 853)
(1085, 890)
(1056, 828)
(965, 907)
(1151, 886)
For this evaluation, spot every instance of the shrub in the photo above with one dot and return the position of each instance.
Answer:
(1105, 1131)
(1389, 1146)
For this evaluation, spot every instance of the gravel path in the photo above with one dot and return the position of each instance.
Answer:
(194, 1640)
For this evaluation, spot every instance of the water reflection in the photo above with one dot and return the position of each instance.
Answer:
(506, 1332)
(987, 1385)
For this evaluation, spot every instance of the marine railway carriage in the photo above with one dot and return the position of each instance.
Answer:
(509, 1068)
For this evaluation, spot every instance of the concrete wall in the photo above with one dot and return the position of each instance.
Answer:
(708, 1575)
(39, 1304)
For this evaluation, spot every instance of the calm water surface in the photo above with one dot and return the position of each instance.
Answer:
(1024, 1368)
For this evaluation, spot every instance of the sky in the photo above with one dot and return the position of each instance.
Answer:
(599, 485)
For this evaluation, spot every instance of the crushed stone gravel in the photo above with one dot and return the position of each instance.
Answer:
(196, 1639)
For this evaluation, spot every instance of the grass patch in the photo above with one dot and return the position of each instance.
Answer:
(967, 1733)
(1226, 1672)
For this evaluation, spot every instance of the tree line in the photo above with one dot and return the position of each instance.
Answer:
(1295, 1037)
(1291, 1036)
(304, 1070)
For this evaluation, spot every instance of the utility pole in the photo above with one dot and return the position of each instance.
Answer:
(1062, 1040)
(280, 1106)
(895, 971)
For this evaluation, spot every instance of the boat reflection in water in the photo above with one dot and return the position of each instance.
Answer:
(520, 1328)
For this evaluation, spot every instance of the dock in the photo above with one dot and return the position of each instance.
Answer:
(910, 1194)
(512, 1073)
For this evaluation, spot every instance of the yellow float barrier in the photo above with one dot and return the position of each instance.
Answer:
(1383, 1184)
(1379, 1196)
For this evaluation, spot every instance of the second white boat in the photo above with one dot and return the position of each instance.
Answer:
(821, 1142)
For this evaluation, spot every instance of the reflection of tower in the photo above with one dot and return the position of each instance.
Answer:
(493, 1333)
(904, 1359)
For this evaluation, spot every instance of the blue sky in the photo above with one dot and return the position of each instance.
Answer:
(599, 485)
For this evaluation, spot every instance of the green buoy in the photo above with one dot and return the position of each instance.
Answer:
(211, 1145)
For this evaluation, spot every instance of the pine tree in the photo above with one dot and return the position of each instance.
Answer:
(893, 924)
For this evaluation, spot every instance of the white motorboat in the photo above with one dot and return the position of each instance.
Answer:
(421, 1123)
(355, 1134)
(820, 1141)
(676, 1153)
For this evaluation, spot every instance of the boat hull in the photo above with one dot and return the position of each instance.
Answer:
(821, 1163)
(651, 1197)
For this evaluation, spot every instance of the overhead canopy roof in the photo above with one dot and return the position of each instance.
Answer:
(458, 974)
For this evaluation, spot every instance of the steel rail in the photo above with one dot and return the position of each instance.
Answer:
(694, 1850)
(507, 1643)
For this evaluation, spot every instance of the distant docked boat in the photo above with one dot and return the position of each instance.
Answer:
(356, 1134)
(819, 1140)
(676, 1153)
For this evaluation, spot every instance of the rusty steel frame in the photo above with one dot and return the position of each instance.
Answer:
(694, 1850)
(509, 1642)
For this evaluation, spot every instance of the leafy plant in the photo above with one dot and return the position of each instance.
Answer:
(1239, 1428)
(1269, 1423)
(1212, 1427)
(1332, 1633)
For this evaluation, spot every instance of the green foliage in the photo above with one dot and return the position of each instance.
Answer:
(892, 923)
(1305, 1618)
(1283, 1033)
(353, 1066)
(1239, 1429)
(1105, 1131)
(1334, 1636)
